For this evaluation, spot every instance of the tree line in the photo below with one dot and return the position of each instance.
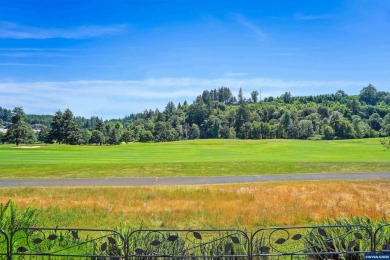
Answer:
(218, 114)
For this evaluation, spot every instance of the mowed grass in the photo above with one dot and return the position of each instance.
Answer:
(194, 158)
(246, 206)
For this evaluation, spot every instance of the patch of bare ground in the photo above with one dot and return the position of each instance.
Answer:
(27, 147)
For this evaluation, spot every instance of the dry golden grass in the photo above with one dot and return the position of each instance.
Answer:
(246, 206)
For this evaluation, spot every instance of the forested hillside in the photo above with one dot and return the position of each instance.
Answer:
(218, 113)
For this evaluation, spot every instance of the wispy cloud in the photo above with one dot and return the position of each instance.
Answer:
(251, 26)
(28, 64)
(303, 17)
(37, 52)
(25, 54)
(113, 99)
(37, 49)
(235, 74)
(10, 30)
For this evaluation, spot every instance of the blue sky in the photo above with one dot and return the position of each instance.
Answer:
(114, 58)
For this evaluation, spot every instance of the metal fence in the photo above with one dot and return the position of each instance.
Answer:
(189, 244)
(382, 239)
(301, 242)
(4, 245)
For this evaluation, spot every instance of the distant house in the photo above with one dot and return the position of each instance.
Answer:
(36, 126)
(6, 124)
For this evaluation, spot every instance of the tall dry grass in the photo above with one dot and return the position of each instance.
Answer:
(246, 206)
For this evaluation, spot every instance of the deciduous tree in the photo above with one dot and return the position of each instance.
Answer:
(369, 95)
(97, 137)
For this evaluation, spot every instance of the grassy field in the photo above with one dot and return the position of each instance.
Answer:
(246, 206)
(194, 158)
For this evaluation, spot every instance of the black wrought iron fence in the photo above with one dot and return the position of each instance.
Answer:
(301, 242)
(4, 245)
(319, 242)
(67, 243)
(184, 244)
(382, 239)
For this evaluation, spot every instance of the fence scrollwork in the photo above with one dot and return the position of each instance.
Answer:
(67, 242)
(4, 245)
(326, 242)
(221, 244)
(296, 242)
(382, 239)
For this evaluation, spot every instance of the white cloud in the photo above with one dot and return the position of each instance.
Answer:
(114, 99)
(235, 74)
(10, 30)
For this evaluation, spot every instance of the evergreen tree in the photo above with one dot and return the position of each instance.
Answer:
(215, 114)
(114, 136)
(64, 129)
(100, 125)
(71, 132)
(19, 131)
(55, 133)
(254, 95)
(240, 96)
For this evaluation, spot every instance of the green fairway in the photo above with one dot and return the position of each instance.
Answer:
(194, 158)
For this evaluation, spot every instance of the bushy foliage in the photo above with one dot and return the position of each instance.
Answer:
(385, 142)
(347, 235)
(11, 218)
(218, 114)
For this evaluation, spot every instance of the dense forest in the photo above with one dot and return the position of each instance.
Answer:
(218, 113)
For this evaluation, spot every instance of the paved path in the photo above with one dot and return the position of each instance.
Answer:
(189, 180)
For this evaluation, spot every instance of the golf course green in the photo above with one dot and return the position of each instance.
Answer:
(193, 158)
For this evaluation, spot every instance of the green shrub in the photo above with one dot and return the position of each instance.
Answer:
(11, 219)
(347, 235)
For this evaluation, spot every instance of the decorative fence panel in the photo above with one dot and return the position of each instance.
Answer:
(382, 239)
(188, 244)
(347, 242)
(4, 244)
(67, 243)
(312, 242)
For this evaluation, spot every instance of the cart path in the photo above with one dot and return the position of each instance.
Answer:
(164, 181)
